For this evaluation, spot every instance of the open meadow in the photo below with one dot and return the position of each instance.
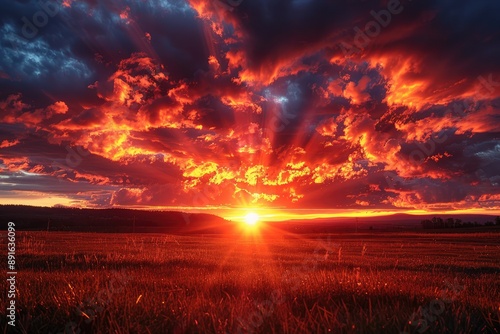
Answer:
(337, 283)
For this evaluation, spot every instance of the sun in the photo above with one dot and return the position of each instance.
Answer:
(251, 219)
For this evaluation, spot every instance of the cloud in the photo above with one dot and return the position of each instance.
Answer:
(210, 103)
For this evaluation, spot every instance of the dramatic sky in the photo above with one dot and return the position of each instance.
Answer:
(296, 104)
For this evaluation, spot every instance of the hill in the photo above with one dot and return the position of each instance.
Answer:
(129, 221)
(398, 221)
(111, 220)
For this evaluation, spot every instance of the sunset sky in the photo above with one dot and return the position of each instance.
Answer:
(298, 105)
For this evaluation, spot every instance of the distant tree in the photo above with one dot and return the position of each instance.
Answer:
(458, 222)
(489, 224)
(427, 223)
(438, 222)
(497, 220)
(450, 222)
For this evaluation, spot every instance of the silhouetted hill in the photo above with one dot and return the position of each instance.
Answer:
(399, 221)
(110, 220)
(127, 220)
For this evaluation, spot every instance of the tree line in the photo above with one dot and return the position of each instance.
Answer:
(438, 222)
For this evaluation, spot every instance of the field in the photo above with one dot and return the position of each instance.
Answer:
(339, 283)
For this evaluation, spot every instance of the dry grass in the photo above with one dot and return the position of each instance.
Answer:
(351, 283)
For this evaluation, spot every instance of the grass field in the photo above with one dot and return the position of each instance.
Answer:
(339, 283)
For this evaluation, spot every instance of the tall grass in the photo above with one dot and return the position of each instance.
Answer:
(353, 283)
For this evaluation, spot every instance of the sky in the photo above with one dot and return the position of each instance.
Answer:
(312, 105)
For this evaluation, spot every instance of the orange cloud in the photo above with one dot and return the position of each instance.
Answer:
(357, 92)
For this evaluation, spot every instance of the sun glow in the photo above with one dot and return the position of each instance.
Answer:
(251, 219)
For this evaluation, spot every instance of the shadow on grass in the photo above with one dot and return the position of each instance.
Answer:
(81, 261)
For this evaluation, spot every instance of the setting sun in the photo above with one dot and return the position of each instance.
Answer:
(251, 218)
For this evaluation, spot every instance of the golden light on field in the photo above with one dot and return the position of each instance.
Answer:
(251, 219)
